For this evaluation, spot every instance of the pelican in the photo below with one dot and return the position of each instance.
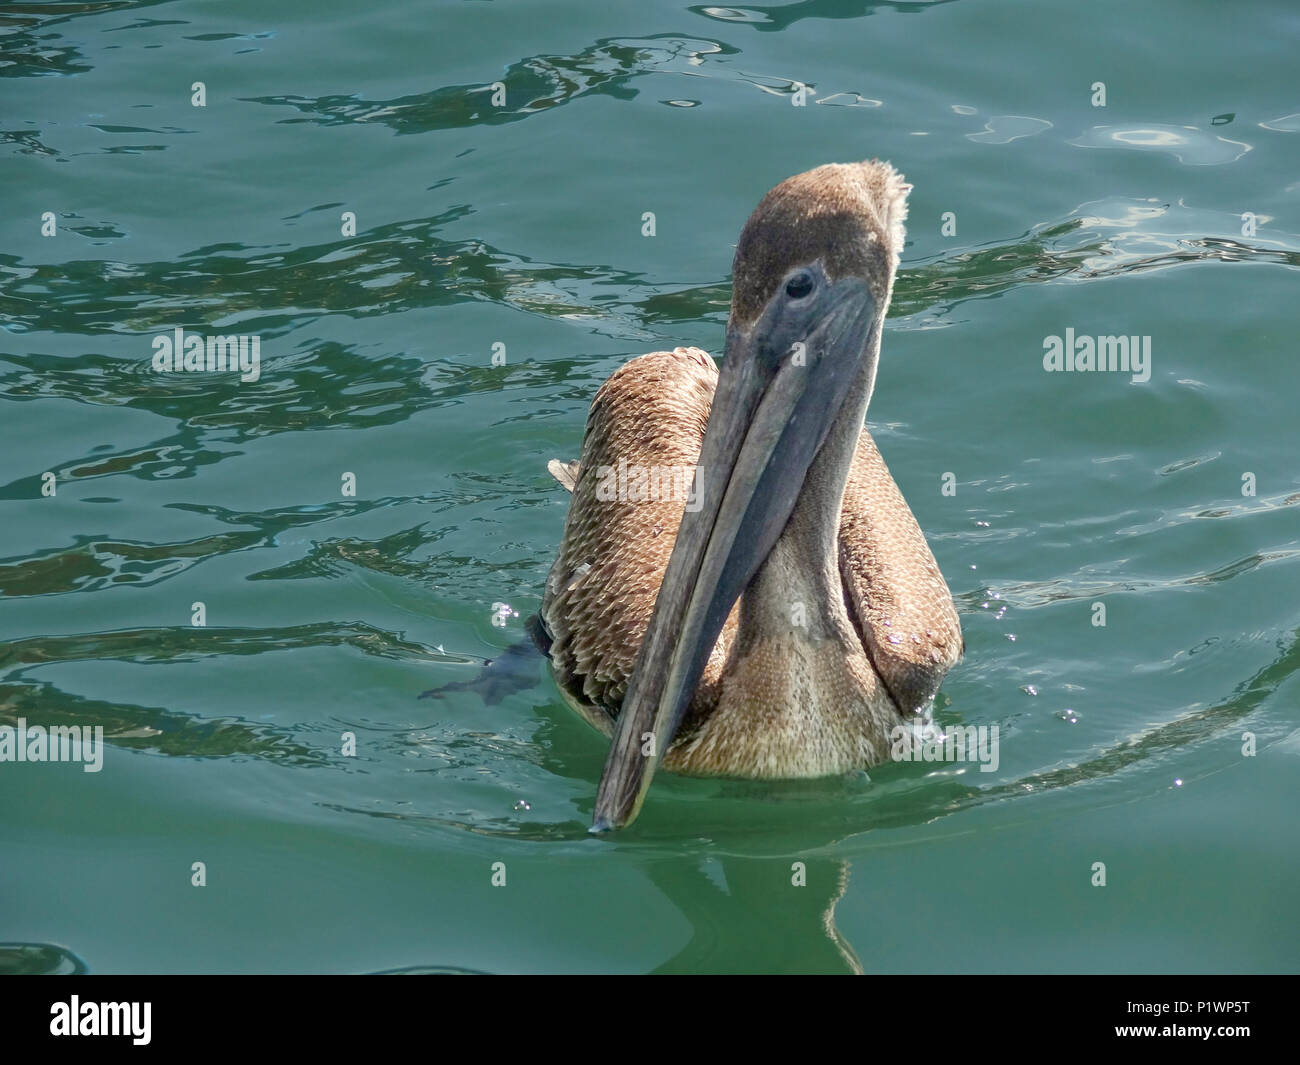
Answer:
(786, 615)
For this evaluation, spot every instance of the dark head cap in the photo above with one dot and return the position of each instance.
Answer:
(848, 215)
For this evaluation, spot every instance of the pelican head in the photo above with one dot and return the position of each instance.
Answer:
(812, 279)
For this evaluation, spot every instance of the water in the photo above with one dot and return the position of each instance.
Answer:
(521, 226)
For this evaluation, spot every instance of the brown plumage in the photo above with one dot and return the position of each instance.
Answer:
(846, 627)
(601, 590)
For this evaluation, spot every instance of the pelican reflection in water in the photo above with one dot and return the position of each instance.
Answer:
(784, 619)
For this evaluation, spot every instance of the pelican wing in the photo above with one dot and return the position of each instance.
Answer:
(647, 419)
(897, 596)
(650, 416)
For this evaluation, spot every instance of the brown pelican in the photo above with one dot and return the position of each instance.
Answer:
(791, 615)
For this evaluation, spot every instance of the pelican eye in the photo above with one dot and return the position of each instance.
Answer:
(799, 286)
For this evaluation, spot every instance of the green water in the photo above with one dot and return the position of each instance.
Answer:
(521, 226)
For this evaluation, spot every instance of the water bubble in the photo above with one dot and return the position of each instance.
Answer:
(522, 805)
